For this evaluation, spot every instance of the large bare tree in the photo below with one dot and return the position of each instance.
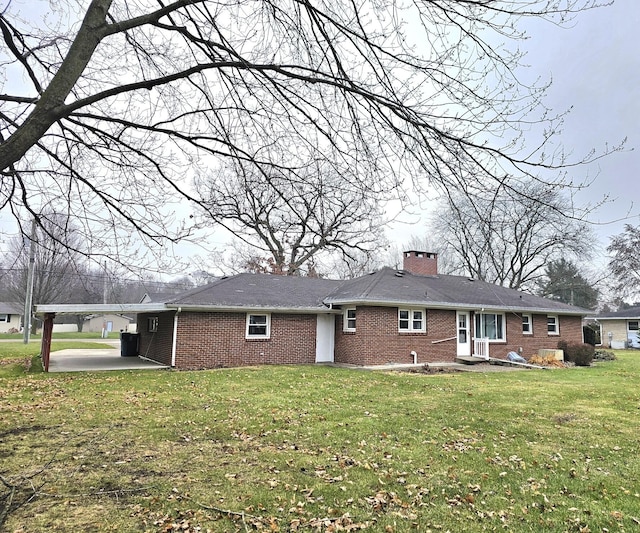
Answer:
(291, 219)
(123, 102)
(509, 237)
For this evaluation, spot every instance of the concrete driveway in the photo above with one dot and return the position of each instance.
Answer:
(74, 360)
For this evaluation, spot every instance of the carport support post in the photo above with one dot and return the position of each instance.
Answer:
(45, 347)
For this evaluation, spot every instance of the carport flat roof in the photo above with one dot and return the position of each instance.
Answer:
(74, 309)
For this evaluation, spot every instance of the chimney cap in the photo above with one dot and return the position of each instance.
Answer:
(419, 253)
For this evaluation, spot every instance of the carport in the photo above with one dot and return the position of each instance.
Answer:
(74, 360)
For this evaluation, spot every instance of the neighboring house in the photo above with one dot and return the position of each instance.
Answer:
(620, 329)
(108, 322)
(412, 315)
(93, 323)
(65, 324)
(10, 316)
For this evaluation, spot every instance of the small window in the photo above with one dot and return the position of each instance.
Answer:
(633, 325)
(258, 326)
(527, 325)
(411, 320)
(552, 325)
(349, 319)
(152, 324)
(4, 318)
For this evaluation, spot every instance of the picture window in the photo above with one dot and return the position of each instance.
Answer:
(490, 326)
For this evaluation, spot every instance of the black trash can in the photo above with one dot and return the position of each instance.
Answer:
(128, 344)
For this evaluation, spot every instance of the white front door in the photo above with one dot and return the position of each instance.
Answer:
(463, 333)
(325, 338)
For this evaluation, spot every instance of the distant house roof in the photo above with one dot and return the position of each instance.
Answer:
(157, 297)
(11, 308)
(389, 286)
(632, 313)
(258, 291)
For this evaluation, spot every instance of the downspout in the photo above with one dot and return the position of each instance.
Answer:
(174, 342)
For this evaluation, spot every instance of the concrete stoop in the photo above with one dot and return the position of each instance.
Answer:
(495, 361)
(470, 360)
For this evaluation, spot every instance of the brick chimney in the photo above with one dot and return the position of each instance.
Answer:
(421, 263)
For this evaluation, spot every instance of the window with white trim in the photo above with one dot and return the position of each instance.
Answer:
(258, 326)
(527, 325)
(632, 325)
(4, 318)
(349, 319)
(553, 327)
(152, 324)
(412, 320)
(490, 326)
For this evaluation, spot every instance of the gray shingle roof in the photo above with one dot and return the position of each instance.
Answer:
(385, 287)
(11, 308)
(632, 313)
(398, 287)
(259, 291)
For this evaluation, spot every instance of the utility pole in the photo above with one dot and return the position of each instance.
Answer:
(104, 301)
(28, 299)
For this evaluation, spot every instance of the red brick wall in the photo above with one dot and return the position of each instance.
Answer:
(377, 341)
(212, 340)
(570, 331)
(156, 346)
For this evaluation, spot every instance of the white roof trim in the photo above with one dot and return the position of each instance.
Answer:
(601, 318)
(456, 306)
(251, 308)
(99, 309)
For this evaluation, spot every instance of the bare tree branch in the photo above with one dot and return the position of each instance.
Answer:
(129, 109)
(509, 239)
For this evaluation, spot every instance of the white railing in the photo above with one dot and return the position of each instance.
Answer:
(481, 348)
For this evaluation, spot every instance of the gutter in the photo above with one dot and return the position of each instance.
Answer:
(250, 309)
(456, 306)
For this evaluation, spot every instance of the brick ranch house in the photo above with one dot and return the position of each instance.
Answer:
(413, 315)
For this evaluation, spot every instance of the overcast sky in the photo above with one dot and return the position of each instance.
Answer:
(594, 65)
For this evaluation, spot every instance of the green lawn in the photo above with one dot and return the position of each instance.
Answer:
(15, 350)
(323, 449)
(17, 357)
